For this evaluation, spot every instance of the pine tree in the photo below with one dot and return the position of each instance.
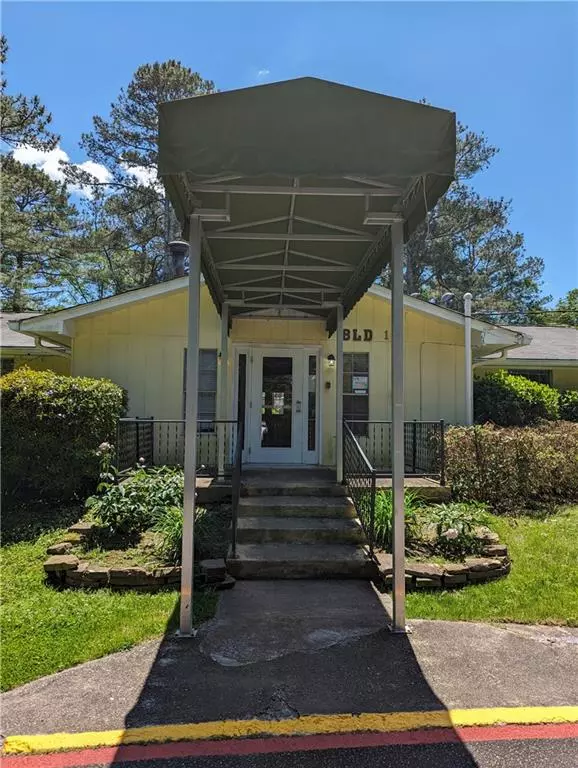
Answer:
(23, 120)
(36, 218)
(37, 221)
(132, 203)
(465, 244)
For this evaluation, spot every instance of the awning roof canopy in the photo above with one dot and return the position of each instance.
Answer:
(297, 184)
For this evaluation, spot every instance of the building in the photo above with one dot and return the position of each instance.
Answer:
(18, 349)
(550, 357)
(281, 367)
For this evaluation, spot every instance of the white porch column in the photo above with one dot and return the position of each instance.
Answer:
(397, 413)
(468, 362)
(339, 395)
(222, 385)
(186, 613)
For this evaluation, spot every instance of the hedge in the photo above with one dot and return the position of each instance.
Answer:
(511, 401)
(513, 468)
(51, 428)
(569, 405)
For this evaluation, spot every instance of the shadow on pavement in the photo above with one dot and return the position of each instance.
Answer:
(278, 650)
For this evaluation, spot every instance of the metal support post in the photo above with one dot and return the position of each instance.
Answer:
(186, 611)
(222, 388)
(339, 396)
(397, 413)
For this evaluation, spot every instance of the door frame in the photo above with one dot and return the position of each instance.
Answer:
(305, 457)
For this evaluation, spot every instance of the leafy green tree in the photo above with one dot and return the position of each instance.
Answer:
(564, 313)
(132, 207)
(465, 244)
(23, 120)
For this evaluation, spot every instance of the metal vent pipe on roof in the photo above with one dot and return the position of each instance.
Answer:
(178, 250)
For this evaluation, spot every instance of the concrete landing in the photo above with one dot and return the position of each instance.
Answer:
(263, 620)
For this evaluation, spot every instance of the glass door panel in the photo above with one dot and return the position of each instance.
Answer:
(277, 402)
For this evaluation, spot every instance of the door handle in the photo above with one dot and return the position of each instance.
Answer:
(298, 406)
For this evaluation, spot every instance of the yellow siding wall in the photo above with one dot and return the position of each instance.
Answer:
(141, 348)
(565, 378)
(57, 363)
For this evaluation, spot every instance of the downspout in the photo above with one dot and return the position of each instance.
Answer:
(61, 351)
(468, 362)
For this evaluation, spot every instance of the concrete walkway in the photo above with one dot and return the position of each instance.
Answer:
(283, 649)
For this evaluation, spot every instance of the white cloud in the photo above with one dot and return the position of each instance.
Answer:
(263, 72)
(142, 175)
(96, 169)
(50, 161)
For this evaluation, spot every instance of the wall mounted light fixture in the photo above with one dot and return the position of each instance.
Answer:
(331, 361)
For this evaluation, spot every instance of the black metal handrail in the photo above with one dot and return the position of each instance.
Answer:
(156, 442)
(423, 447)
(360, 478)
(236, 487)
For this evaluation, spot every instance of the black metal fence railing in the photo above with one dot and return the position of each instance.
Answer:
(423, 447)
(360, 478)
(156, 442)
(236, 487)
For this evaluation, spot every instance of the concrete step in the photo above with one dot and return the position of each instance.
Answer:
(334, 530)
(301, 561)
(296, 506)
(264, 486)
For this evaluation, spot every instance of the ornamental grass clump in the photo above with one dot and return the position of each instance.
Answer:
(383, 525)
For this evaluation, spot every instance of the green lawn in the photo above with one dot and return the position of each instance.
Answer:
(45, 630)
(542, 587)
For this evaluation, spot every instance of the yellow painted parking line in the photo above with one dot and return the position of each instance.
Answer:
(307, 725)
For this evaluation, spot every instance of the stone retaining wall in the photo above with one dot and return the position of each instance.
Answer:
(493, 563)
(65, 569)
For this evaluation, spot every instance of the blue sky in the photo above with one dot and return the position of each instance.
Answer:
(507, 69)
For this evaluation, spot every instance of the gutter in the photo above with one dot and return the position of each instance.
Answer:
(62, 350)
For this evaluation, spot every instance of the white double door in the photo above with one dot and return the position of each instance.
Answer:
(282, 411)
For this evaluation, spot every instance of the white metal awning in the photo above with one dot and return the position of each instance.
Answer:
(297, 185)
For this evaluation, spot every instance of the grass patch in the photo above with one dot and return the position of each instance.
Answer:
(45, 630)
(543, 584)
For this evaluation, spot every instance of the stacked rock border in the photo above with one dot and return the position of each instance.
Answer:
(64, 569)
(493, 563)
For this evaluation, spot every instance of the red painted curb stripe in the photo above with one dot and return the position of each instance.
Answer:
(139, 752)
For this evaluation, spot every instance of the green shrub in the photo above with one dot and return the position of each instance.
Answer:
(569, 405)
(513, 401)
(51, 427)
(136, 503)
(455, 527)
(383, 525)
(513, 468)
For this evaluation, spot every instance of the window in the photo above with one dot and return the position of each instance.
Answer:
(541, 375)
(207, 397)
(6, 365)
(356, 391)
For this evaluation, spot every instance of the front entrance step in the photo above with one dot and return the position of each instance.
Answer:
(296, 506)
(264, 486)
(301, 561)
(334, 530)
